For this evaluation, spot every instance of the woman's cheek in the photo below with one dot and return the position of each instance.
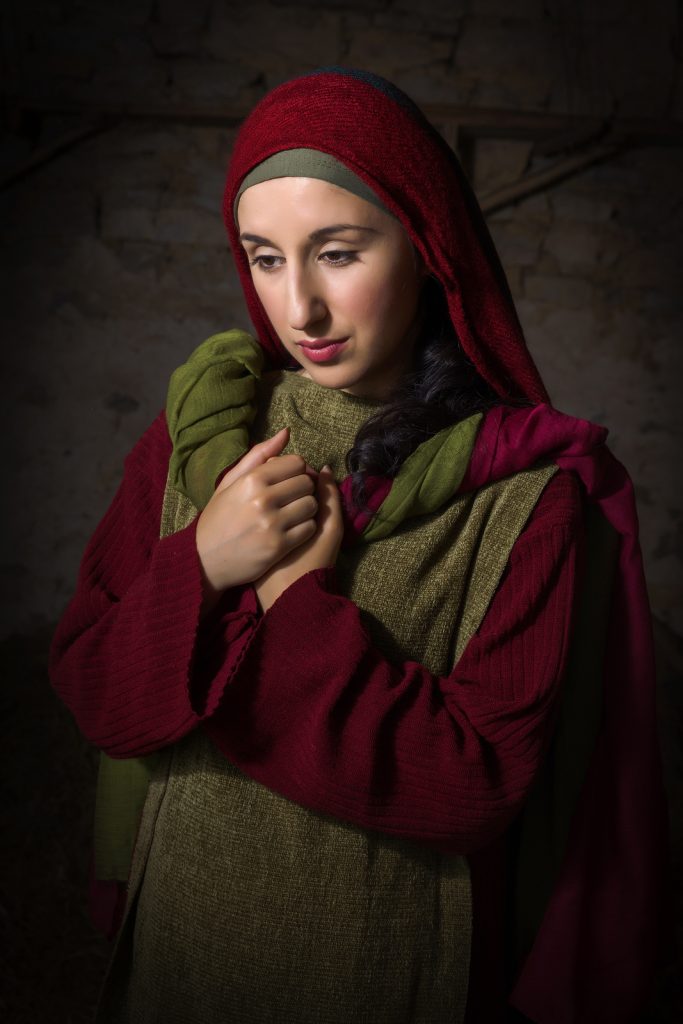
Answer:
(374, 305)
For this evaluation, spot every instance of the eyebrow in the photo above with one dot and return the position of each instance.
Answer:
(315, 236)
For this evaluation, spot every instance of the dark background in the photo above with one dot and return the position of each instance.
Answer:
(118, 120)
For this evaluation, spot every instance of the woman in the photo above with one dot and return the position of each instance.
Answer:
(365, 598)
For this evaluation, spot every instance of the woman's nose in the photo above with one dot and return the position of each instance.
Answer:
(305, 301)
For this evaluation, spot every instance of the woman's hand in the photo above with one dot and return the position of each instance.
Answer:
(317, 553)
(263, 508)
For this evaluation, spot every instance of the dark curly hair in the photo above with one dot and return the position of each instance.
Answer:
(441, 388)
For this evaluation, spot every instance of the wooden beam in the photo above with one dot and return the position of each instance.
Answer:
(43, 154)
(461, 128)
(476, 122)
(538, 181)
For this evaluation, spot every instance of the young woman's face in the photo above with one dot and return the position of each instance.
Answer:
(358, 287)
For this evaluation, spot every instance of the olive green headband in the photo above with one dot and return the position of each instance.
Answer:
(308, 163)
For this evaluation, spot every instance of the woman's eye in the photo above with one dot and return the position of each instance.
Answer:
(333, 257)
(257, 261)
(347, 256)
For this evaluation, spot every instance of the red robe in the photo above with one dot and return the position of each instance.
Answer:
(139, 670)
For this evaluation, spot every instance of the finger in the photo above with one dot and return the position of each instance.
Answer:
(299, 534)
(298, 512)
(282, 467)
(281, 494)
(329, 484)
(313, 473)
(329, 498)
(256, 456)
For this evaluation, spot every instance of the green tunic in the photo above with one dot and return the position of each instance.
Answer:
(245, 907)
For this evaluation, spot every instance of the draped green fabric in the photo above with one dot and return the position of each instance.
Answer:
(211, 403)
(209, 408)
(121, 791)
(428, 477)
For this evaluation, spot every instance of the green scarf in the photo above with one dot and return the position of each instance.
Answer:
(209, 408)
(211, 404)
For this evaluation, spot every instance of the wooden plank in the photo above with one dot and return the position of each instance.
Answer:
(43, 154)
(538, 181)
(476, 122)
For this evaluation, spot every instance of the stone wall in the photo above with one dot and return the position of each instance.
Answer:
(117, 265)
(118, 262)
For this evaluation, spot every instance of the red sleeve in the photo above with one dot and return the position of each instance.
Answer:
(131, 657)
(318, 714)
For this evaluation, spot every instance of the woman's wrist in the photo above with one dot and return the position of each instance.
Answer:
(210, 595)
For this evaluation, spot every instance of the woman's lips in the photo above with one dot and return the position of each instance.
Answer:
(322, 352)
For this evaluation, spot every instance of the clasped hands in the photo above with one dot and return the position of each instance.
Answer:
(271, 519)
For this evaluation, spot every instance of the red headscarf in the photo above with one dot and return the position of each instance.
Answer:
(596, 950)
(377, 131)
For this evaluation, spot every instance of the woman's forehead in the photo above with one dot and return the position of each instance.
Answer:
(291, 199)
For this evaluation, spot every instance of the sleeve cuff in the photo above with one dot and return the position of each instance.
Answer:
(313, 586)
(216, 642)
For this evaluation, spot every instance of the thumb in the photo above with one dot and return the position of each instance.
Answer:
(329, 492)
(257, 455)
(330, 517)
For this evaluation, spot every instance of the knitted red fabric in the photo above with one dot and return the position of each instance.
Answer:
(608, 924)
(138, 670)
(378, 132)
